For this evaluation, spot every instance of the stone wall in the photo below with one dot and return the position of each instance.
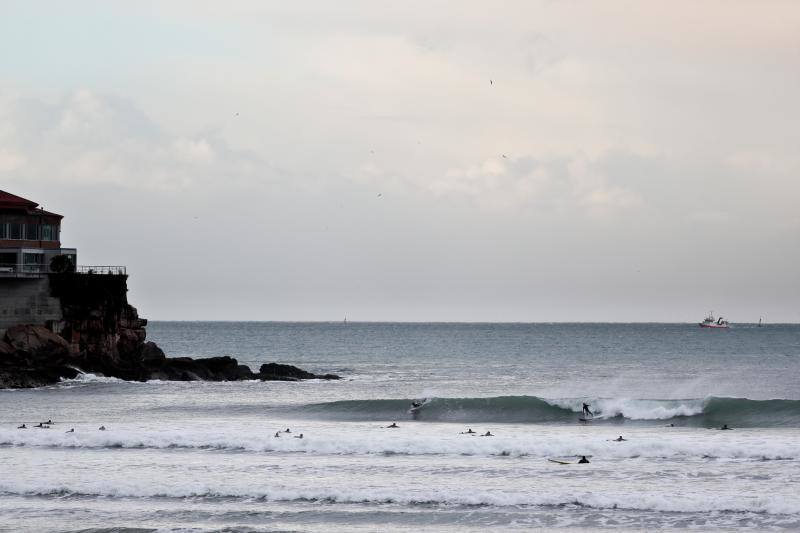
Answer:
(27, 301)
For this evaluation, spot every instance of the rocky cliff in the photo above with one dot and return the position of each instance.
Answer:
(100, 332)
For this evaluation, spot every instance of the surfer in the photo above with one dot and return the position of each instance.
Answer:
(487, 434)
(277, 434)
(583, 460)
(288, 430)
(71, 430)
(416, 404)
(102, 428)
(586, 410)
(393, 425)
(620, 439)
(300, 436)
(725, 426)
(468, 432)
(23, 426)
(39, 425)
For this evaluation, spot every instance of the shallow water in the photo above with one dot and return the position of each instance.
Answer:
(203, 456)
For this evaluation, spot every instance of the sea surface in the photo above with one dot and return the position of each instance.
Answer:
(194, 456)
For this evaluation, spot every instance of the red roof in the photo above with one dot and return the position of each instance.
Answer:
(12, 201)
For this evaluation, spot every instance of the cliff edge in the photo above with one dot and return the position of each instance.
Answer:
(100, 332)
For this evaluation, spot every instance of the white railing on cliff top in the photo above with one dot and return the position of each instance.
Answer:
(103, 269)
(11, 270)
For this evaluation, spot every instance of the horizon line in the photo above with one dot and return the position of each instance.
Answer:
(544, 322)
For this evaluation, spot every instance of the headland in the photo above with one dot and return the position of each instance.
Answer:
(58, 319)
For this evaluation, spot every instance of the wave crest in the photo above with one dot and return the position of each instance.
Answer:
(694, 412)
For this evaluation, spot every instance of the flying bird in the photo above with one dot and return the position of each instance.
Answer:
(504, 156)
(491, 82)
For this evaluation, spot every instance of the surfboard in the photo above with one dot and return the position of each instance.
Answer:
(559, 462)
(586, 419)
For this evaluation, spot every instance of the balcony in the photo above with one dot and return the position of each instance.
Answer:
(11, 270)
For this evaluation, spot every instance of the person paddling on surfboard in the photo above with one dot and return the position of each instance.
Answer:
(586, 411)
(583, 460)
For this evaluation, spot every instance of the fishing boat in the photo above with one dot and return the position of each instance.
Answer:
(714, 323)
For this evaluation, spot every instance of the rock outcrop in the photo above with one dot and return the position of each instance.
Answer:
(279, 372)
(102, 333)
(33, 356)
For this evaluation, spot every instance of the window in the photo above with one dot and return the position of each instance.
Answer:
(32, 232)
(15, 230)
(7, 259)
(3, 230)
(32, 262)
(47, 232)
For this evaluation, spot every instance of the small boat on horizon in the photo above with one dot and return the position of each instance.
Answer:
(714, 323)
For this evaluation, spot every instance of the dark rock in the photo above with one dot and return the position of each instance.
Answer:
(37, 342)
(188, 369)
(244, 373)
(279, 372)
(6, 350)
(23, 378)
(151, 352)
(101, 333)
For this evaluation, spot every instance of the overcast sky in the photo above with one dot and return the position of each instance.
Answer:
(464, 161)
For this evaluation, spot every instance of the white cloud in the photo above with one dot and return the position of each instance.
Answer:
(87, 137)
(566, 185)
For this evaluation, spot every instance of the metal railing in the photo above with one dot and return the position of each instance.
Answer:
(34, 270)
(102, 269)
(19, 270)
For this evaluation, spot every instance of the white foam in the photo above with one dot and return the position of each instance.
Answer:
(634, 409)
(405, 495)
(533, 442)
(88, 377)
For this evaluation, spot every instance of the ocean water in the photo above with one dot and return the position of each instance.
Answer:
(193, 456)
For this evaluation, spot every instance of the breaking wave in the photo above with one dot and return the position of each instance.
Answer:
(413, 440)
(433, 496)
(700, 412)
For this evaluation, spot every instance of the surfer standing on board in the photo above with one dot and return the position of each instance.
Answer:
(586, 411)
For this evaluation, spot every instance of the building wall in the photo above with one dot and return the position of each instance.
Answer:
(15, 243)
(27, 301)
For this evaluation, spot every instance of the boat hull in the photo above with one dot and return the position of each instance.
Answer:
(714, 326)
